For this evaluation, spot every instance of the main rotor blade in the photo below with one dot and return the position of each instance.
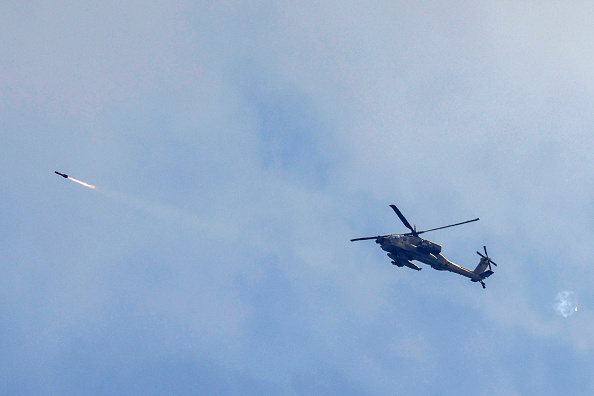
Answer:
(366, 238)
(403, 219)
(451, 225)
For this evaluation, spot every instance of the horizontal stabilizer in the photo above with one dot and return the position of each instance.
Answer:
(487, 274)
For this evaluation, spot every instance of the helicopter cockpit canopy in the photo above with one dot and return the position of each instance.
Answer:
(429, 247)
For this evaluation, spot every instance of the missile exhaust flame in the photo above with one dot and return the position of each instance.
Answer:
(82, 183)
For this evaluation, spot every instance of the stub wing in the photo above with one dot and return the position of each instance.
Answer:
(402, 262)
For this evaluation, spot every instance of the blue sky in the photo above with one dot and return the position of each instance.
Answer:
(237, 147)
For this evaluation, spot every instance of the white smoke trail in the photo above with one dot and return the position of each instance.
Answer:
(566, 303)
(155, 209)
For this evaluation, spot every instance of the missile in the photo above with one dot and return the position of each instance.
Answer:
(65, 176)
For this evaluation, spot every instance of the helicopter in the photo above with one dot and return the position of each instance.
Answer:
(404, 248)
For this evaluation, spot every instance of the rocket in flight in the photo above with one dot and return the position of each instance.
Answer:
(65, 176)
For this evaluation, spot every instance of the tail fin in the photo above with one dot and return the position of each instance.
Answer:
(483, 264)
(481, 267)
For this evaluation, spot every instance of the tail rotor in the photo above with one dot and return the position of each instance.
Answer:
(486, 256)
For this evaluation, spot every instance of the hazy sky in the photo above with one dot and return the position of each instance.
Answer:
(237, 146)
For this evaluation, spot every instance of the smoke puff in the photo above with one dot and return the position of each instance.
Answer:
(566, 302)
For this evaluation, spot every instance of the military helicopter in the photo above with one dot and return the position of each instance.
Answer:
(404, 248)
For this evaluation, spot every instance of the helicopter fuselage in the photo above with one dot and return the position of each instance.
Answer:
(403, 249)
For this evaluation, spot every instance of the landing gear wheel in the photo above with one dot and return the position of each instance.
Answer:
(483, 284)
